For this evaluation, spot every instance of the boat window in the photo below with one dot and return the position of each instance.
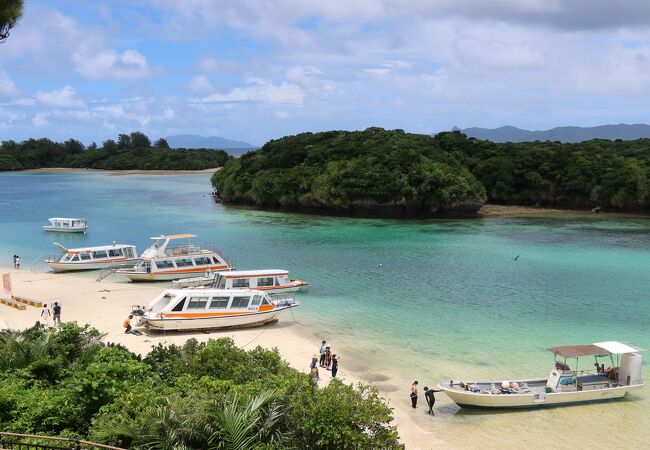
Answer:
(128, 252)
(184, 262)
(240, 302)
(165, 264)
(197, 303)
(179, 306)
(221, 282)
(204, 261)
(84, 256)
(219, 302)
(215, 260)
(114, 252)
(240, 283)
(256, 300)
(265, 301)
(266, 281)
(74, 258)
(100, 254)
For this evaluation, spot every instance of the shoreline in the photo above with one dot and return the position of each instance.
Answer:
(487, 211)
(105, 305)
(117, 172)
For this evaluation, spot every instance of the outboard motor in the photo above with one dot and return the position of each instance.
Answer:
(630, 371)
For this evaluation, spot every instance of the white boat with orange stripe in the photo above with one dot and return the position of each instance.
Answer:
(191, 309)
(91, 258)
(160, 262)
(273, 281)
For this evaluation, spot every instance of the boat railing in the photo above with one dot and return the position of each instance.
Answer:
(38, 262)
(283, 300)
(111, 269)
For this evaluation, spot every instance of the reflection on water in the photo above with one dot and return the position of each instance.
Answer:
(401, 300)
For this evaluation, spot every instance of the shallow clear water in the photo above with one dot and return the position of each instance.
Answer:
(432, 300)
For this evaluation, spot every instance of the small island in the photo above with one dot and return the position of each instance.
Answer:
(390, 173)
(132, 151)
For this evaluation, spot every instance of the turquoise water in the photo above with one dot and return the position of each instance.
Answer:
(431, 300)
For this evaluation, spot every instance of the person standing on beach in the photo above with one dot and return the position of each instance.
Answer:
(14, 261)
(414, 394)
(17, 262)
(335, 366)
(45, 315)
(314, 361)
(430, 398)
(57, 313)
(322, 353)
(328, 357)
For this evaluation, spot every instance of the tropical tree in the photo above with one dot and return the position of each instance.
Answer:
(161, 143)
(10, 13)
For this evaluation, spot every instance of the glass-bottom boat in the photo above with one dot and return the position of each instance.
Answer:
(91, 258)
(564, 386)
(190, 309)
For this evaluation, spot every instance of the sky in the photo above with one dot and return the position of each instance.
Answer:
(258, 70)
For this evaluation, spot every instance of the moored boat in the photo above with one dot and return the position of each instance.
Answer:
(66, 225)
(273, 281)
(188, 309)
(564, 386)
(90, 258)
(163, 263)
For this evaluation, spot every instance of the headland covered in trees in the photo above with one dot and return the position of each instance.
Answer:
(130, 151)
(396, 174)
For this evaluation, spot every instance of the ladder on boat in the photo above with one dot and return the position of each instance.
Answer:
(38, 262)
(110, 270)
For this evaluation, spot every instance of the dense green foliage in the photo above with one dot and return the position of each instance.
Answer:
(198, 396)
(397, 173)
(609, 174)
(374, 171)
(131, 151)
(10, 13)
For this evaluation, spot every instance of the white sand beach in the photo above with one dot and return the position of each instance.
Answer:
(106, 304)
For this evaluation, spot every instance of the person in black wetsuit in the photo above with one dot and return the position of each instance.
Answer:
(335, 365)
(430, 398)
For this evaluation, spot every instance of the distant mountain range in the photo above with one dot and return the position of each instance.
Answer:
(563, 134)
(216, 142)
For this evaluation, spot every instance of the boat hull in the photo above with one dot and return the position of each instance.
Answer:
(168, 276)
(468, 399)
(65, 230)
(94, 265)
(215, 322)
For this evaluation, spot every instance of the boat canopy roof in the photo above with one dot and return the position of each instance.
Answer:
(254, 273)
(212, 292)
(174, 236)
(599, 348)
(91, 249)
(61, 219)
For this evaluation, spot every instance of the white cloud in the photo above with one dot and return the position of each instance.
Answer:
(60, 98)
(200, 85)
(216, 66)
(261, 90)
(108, 64)
(8, 88)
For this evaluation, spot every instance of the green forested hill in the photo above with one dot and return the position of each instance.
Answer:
(393, 173)
(369, 172)
(131, 151)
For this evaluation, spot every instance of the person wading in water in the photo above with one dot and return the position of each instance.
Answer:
(414, 394)
(430, 398)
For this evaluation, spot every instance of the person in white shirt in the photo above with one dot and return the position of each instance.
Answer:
(45, 315)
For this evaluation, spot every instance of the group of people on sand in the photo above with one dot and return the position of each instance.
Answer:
(16, 262)
(325, 359)
(54, 313)
(428, 396)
